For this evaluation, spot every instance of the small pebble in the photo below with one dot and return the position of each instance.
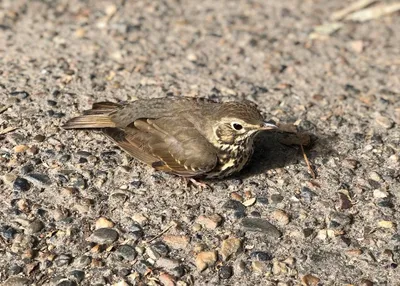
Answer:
(383, 121)
(310, 280)
(259, 267)
(339, 220)
(39, 138)
(344, 201)
(166, 279)
(176, 241)
(39, 179)
(240, 267)
(104, 236)
(9, 178)
(375, 176)
(20, 148)
(167, 263)
(142, 267)
(280, 217)
(21, 184)
(140, 218)
(205, 259)
(261, 225)
(229, 247)
(126, 252)
(62, 260)
(104, 223)
(366, 282)
(378, 194)
(249, 202)
(210, 222)
(82, 261)
(35, 226)
(234, 205)
(27, 169)
(152, 253)
(77, 275)
(386, 224)
(307, 194)
(160, 248)
(260, 256)
(276, 198)
(385, 203)
(225, 272)
(235, 196)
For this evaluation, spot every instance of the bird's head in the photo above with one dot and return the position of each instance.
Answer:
(238, 121)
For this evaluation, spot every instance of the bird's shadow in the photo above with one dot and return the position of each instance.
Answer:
(270, 153)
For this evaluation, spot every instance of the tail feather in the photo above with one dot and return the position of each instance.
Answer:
(89, 121)
(97, 117)
(102, 107)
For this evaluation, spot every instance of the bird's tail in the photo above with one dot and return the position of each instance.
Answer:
(97, 117)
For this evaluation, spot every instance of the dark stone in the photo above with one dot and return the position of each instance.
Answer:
(307, 194)
(307, 232)
(339, 220)
(83, 261)
(7, 232)
(234, 205)
(51, 102)
(65, 158)
(20, 94)
(262, 200)
(344, 201)
(225, 272)
(14, 270)
(374, 184)
(276, 198)
(62, 260)
(77, 275)
(160, 248)
(66, 282)
(84, 154)
(20, 184)
(386, 203)
(142, 267)
(261, 225)
(260, 256)
(239, 215)
(27, 169)
(255, 214)
(126, 252)
(39, 138)
(39, 178)
(104, 236)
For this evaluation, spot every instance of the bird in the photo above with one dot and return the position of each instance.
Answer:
(185, 136)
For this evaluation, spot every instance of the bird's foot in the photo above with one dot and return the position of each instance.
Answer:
(199, 184)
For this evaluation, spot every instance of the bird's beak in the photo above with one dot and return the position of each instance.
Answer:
(268, 126)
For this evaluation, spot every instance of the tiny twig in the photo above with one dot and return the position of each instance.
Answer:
(310, 169)
(7, 130)
(4, 108)
(161, 233)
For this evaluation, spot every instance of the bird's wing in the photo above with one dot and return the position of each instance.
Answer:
(169, 144)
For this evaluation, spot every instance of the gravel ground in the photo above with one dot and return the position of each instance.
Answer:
(76, 210)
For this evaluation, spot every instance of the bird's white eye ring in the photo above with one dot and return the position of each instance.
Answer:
(237, 126)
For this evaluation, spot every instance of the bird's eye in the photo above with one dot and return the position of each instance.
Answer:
(237, 126)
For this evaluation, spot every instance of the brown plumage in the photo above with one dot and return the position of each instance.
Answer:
(185, 136)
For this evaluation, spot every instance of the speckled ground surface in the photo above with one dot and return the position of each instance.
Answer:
(76, 210)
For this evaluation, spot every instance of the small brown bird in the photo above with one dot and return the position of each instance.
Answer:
(184, 136)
